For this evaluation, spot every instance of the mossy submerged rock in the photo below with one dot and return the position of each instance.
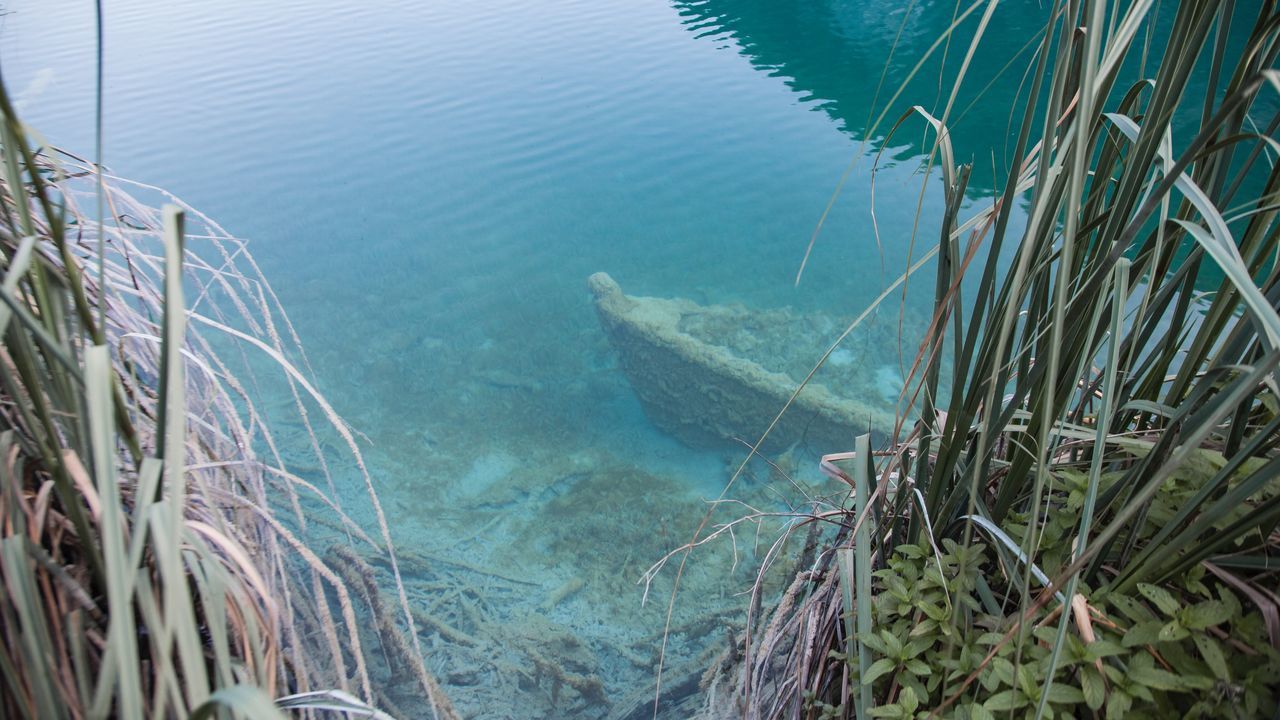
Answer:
(678, 357)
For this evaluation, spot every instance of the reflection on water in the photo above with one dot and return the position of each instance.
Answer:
(429, 185)
(833, 53)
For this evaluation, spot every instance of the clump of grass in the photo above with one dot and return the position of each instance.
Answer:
(1107, 445)
(155, 559)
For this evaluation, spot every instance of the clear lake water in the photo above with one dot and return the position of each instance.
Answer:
(428, 186)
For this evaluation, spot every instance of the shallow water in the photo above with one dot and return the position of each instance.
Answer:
(428, 186)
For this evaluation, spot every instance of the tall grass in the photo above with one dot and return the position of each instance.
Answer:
(1111, 421)
(155, 560)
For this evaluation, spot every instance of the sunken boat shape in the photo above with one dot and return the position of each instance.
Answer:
(687, 363)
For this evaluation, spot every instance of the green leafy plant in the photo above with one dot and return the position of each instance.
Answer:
(1161, 649)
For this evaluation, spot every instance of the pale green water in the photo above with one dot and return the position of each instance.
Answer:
(428, 186)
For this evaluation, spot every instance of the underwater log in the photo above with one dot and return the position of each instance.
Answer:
(706, 395)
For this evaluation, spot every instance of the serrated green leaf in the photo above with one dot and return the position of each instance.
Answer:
(910, 551)
(875, 642)
(934, 612)
(1092, 687)
(1212, 655)
(926, 627)
(909, 701)
(1206, 614)
(878, 668)
(1162, 598)
(917, 667)
(1130, 608)
(978, 712)
(1172, 631)
(1065, 694)
(1103, 648)
(917, 646)
(1003, 670)
(1147, 633)
(1118, 705)
(1160, 679)
(1005, 701)
(1028, 681)
(892, 645)
(1045, 634)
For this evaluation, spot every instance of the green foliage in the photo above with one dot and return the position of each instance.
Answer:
(1097, 400)
(1161, 652)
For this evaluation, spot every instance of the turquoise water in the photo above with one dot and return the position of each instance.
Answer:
(428, 186)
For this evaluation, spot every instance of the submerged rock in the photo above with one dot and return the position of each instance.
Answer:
(684, 362)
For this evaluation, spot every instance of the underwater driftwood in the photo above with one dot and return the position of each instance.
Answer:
(680, 358)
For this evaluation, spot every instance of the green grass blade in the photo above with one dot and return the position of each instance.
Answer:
(18, 265)
(852, 654)
(121, 633)
(862, 472)
(1119, 291)
(39, 666)
(246, 700)
(171, 423)
(177, 606)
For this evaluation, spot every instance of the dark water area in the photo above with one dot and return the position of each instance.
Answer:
(428, 187)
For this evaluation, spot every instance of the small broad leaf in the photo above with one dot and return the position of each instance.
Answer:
(1028, 681)
(917, 646)
(917, 667)
(1158, 679)
(925, 628)
(1092, 687)
(892, 645)
(878, 668)
(1172, 631)
(1065, 694)
(1206, 614)
(1147, 633)
(1162, 598)
(990, 681)
(909, 701)
(1130, 608)
(1211, 652)
(978, 712)
(1005, 701)
(1119, 705)
(911, 551)
(1003, 670)
(1103, 648)
(874, 642)
(934, 612)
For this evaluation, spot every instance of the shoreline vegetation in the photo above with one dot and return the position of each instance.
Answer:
(1076, 514)
(1082, 521)
(157, 559)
